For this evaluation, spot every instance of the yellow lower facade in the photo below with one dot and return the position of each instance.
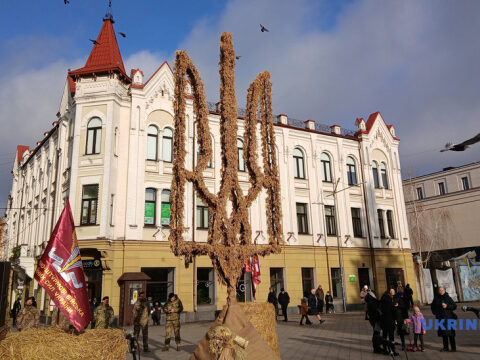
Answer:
(131, 256)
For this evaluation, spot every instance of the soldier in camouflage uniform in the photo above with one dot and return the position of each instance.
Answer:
(103, 314)
(60, 320)
(141, 310)
(28, 317)
(172, 308)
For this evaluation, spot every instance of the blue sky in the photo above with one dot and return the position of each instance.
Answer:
(417, 62)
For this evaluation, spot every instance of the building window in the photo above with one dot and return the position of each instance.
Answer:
(441, 188)
(307, 280)
(244, 287)
(336, 282)
(165, 211)
(241, 160)
(298, 164)
(150, 205)
(302, 219)
(167, 144)
(205, 286)
(356, 222)
(202, 215)
(465, 183)
(326, 167)
(351, 171)
(276, 279)
(383, 171)
(94, 136)
(161, 284)
(391, 232)
(419, 193)
(89, 204)
(330, 220)
(152, 142)
(380, 223)
(375, 174)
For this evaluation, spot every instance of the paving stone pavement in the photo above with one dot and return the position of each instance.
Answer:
(341, 336)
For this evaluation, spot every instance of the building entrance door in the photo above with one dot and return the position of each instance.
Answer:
(363, 277)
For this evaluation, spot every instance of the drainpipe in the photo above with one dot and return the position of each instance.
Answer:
(369, 229)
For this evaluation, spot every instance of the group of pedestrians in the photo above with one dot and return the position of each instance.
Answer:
(390, 314)
(311, 304)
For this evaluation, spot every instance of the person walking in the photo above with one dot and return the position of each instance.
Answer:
(17, 306)
(443, 307)
(284, 300)
(272, 299)
(172, 308)
(141, 311)
(156, 313)
(313, 306)
(28, 317)
(408, 293)
(320, 298)
(418, 328)
(364, 293)
(329, 307)
(401, 313)
(387, 307)
(304, 311)
(103, 314)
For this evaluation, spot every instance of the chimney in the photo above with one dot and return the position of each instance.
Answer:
(282, 119)
(360, 124)
(310, 124)
(335, 129)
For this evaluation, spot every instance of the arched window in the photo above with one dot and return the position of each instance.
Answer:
(165, 217)
(150, 205)
(375, 174)
(351, 171)
(241, 160)
(94, 136)
(167, 143)
(298, 164)
(326, 167)
(152, 142)
(383, 172)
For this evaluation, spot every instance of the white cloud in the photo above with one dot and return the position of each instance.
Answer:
(147, 61)
(416, 62)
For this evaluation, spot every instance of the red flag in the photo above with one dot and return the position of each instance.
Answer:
(255, 269)
(60, 272)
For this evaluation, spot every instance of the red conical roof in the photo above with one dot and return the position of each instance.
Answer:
(105, 55)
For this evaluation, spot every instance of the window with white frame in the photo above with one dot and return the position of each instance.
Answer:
(94, 136)
(376, 182)
(241, 160)
(152, 142)
(326, 167)
(383, 172)
(167, 144)
(351, 171)
(298, 164)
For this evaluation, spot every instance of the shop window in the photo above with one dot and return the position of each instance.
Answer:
(307, 280)
(205, 286)
(161, 283)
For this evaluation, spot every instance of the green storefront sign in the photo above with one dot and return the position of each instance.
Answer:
(165, 214)
(150, 213)
(352, 278)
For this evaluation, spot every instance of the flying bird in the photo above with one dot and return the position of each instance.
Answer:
(462, 146)
(263, 28)
(66, 2)
(122, 34)
(238, 57)
(94, 42)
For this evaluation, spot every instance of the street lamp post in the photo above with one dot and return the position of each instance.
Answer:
(340, 260)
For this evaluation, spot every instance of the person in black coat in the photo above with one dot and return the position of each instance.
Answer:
(373, 308)
(93, 304)
(272, 299)
(156, 313)
(408, 294)
(284, 300)
(313, 306)
(443, 307)
(387, 307)
(17, 306)
(401, 313)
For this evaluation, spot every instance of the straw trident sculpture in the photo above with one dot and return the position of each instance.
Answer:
(229, 242)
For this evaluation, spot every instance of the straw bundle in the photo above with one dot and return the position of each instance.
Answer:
(262, 317)
(48, 344)
(3, 332)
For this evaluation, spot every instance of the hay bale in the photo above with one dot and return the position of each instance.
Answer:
(52, 343)
(262, 317)
(3, 332)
